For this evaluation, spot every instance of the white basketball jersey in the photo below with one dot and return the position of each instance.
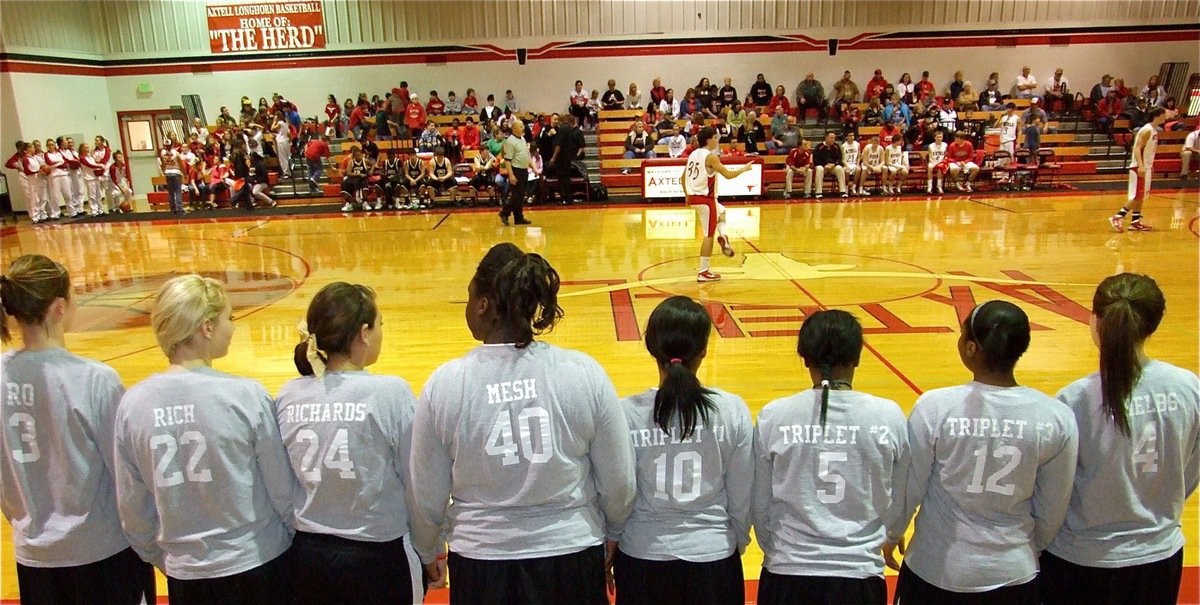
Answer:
(937, 153)
(700, 178)
(1149, 149)
(895, 156)
(1008, 127)
(850, 153)
(873, 155)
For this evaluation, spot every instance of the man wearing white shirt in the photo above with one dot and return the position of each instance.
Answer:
(1191, 146)
(1025, 85)
(1057, 88)
(676, 143)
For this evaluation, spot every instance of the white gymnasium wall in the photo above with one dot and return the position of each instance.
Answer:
(43, 106)
(157, 28)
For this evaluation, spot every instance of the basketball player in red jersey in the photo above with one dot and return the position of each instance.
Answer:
(700, 188)
(1141, 167)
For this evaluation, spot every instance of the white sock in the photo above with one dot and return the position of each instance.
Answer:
(704, 263)
(721, 228)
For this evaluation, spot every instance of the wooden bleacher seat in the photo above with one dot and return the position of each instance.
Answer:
(620, 114)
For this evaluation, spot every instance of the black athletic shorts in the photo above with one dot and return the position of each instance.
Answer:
(576, 578)
(779, 589)
(123, 578)
(329, 569)
(270, 582)
(678, 582)
(1157, 583)
(912, 590)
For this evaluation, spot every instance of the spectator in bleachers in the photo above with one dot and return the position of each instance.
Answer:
(676, 143)
(639, 144)
(991, 99)
(692, 127)
(786, 138)
(689, 105)
(315, 154)
(925, 88)
(649, 118)
(224, 120)
(283, 148)
(875, 86)
(760, 91)
(756, 135)
(827, 158)
(490, 113)
(850, 116)
(735, 116)
(706, 95)
(357, 121)
(811, 94)
(948, 118)
(435, 106)
(430, 138)
(657, 92)
(333, 113)
(594, 110)
(727, 94)
(1191, 148)
(664, 127)
(845, 88)
(1100, 90)
(799, 160)
(779, 118)
(386, 128)
(612, 99)
(907, 88)
(968, 99)
(1171, 109)
(247, 111)
(495, 139)
(1154, 93)
(634, 99)
(897, 112)
(470, 103)
(1058, 89)
(1139, 113)
(1107, 110)
(578, 106)
(724, 132)
(779, 103)
(469, 133)
(1025, 85)
(669, 105)
(1035, 111)
(484, 171)
(873, 116)
(510, 102)
(955, 87)
(914, 137)
(887, 93)
(453, 142)
(889, 131)
(453, 106)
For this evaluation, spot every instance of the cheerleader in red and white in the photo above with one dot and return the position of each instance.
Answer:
(26, 174)
(93, 174)
(283, 144)
(119, 179)
(102, 155)
(57, 179)
(938, 163)
(66, 146)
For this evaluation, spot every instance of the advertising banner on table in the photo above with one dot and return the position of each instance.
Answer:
(663, 181)
(262, 26)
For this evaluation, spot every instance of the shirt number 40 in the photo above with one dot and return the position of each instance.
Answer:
(537, 450)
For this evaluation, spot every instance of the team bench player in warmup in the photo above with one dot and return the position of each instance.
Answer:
(700, 188)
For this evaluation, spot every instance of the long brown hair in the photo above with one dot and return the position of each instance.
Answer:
(32, 284)
(1128, 308)
(335, 316)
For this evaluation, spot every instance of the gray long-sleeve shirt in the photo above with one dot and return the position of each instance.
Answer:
(693, 495)
(533, 447)
(825, 498)
(1129, 490)
(56, 469)
(991, 469)
(203, 481)
(348, 437)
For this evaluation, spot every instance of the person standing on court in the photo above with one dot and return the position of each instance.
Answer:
(568, 147)
(693, 447)
(699, 183)
(515, 151)
(1139, 461)
(204, 487)
(56, 447)
(528, 441)
(348, 433)
(831, 464)
(992, 466)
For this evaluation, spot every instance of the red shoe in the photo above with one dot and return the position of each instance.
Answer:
(704, 276)
(1115, 221)
(726, 249)
(1138, 226)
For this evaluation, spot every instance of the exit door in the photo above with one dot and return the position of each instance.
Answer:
(142, 135)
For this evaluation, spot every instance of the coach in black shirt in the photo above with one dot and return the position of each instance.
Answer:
(568, 147)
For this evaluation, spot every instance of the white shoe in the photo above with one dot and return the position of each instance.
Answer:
(940, 192)
(787, 195)
(959, 186)
(968, 187)
(928, 188)
(347, 207)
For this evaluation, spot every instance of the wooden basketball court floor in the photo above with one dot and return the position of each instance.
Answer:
(909, 269)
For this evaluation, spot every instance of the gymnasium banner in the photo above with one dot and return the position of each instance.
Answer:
(263, 26)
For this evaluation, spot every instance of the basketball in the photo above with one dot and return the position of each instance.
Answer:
(44, 170)
(126, 207)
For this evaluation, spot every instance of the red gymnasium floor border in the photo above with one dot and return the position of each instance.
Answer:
(1189, 591)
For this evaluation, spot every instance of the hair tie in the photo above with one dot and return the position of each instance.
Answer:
(311, 352)
(675, 360)
(971, 319)
(824, 384)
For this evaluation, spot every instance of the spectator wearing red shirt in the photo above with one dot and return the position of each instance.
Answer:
(333, 113)
(469, 134)
(658, 92)
(963, 168)
(402, 92)
(799, 160)
(887, 133)
(1107, 110)
(779, 101)
(850, 116)
(470, 101)
(876, 86)
(315, 153)
(357, 119)
(435, 106)
(414, 116)
(925, 88)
